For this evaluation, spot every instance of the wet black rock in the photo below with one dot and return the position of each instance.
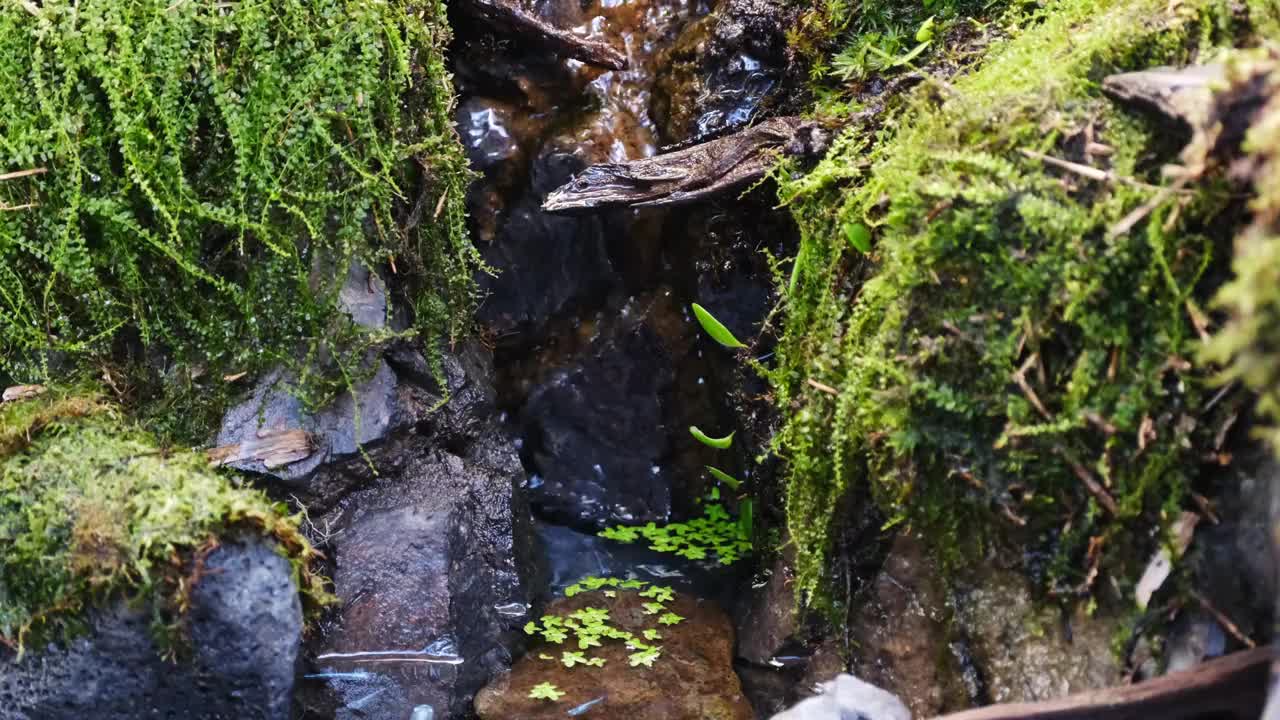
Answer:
(545, 263)
(245, 629)
(429, 556)
(720, 70)
(595, 435)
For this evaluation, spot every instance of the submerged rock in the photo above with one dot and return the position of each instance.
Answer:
(717, 74)
(693, 678)
(595, 434)
(244, 627)
(544, 263)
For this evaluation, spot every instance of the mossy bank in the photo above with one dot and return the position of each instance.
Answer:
(1013, 354)
(92, 509)
(184, 185)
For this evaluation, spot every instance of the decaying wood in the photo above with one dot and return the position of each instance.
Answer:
(686, 175)
(273, 449)
(21, 392)
(23, 173)
(508, 18)
(1234, 686)
(1183, 95)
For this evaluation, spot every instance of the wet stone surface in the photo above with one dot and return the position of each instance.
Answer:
(431, 558)
(693, 677)
(245, 628)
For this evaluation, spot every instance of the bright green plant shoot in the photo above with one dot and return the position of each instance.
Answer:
(721, 443)
(725, 477)
(715, 328)
(859, 236)
(546, 691)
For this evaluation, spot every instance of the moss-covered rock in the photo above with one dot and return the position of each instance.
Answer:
(189, 182)
(91, 509)
(1011, 357)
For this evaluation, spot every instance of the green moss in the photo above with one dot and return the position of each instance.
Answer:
(210, 171)
(1247, 345)
(92, 509)
(985, 262)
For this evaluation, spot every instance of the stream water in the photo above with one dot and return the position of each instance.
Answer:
(600, 366)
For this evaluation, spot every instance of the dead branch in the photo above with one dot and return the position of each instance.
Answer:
(273, 449)
(1231, 686)
(23, 173)
(1020, 377)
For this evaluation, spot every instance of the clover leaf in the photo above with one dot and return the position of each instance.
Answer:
(546, 691)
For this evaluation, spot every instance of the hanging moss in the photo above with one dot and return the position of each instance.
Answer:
(194, 179)
(1247, 345)
(92, 510)
(1005, 363)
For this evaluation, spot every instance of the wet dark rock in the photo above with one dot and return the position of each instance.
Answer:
(899, 633)
(545, 264)
(336, 431)
(1027, 651)
(595, 435)
(430, 557)
(512, 21)
(691, 174)
(1231, 560)
(770, 618)
(245, 629)
(693, 678)
(848, 697)
(721, 68)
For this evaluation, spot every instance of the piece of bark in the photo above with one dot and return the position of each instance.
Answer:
(1234, 686)
(1181, 95)
(689, 174)
(21, 392)
(507, 18)
(274, 449)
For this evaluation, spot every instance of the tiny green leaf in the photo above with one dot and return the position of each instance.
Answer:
(724, 477)
(653, 608)
(572, 658)
(715, 329)
(925, 33)
(530, 628)
(718, 443)
(670, 619)
(545, 691)
(651, 634)
(645, 657)
(859, 236)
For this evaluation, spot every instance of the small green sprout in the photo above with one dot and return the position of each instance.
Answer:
(724, 477)
(671, 619)
(721, 443)
(645, 657)
(572, 658)
(715, 328)
(651, 634)
(546, 691)
(653, 608)
(659, 593)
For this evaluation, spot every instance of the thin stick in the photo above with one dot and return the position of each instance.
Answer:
(1092, 485)
(23, 173)
(1224, 621)
(1088, 171)
(1235, 686)
(823, 387)
(1020, 378)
